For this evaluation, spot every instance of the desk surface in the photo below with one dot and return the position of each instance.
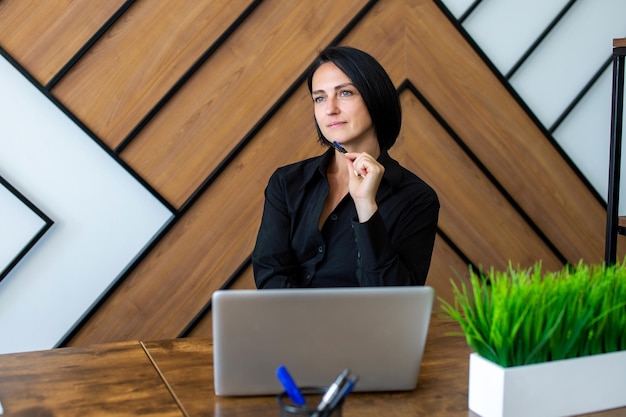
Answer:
(116, 379)
(442, 386)
(175, 378)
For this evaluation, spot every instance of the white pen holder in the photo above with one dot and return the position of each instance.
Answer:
(313, 396)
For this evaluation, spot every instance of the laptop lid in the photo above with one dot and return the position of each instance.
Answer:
(379, 333)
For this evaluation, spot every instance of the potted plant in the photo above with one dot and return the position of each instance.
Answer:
(545, 343)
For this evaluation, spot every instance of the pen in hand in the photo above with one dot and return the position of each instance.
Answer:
(341, 149)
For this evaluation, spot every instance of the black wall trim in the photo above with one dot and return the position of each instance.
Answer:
(48, 222)
(85, 129)
(207, 307)
(469, 11)
(539, 39)
(186, 76)
(522, 104)
(178, 214)
(580, 95)
(79, 54)
(408, 85)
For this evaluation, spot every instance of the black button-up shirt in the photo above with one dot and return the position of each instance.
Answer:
(394, 247)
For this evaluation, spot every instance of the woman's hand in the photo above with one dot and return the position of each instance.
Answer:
(363, 184)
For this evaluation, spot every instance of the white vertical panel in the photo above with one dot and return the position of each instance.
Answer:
(103, 217)
(505, 29)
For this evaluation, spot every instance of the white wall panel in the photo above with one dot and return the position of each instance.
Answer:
(506, 29)
(457, 7)
(559, 69)
(585, 134)
(570, 56)
(103, 217)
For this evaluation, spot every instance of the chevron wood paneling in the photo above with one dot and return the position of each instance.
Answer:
(467, 197)
(204, 99)
(477, 106)
(44, 36)
(232, 92)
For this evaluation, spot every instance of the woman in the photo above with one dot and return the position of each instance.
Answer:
(347, 219)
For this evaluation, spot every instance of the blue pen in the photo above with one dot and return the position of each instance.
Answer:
(290, 386)
(340, 148)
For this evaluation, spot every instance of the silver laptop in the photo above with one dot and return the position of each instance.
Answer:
(378, 333)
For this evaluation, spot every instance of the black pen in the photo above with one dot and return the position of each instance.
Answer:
(337, 146)
(341, 149)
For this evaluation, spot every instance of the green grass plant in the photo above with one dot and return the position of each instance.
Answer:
(525, 316)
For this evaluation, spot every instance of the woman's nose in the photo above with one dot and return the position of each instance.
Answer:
(331, 106)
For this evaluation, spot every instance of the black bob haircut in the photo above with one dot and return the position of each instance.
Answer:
(373, 83)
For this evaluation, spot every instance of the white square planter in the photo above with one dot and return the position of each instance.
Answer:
(551, 389)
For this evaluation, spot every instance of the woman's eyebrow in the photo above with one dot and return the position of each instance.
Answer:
(337, 87)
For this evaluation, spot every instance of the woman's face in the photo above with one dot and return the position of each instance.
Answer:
(340, 111)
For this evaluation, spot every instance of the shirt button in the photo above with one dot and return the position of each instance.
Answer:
(333, 216)
(320, 249)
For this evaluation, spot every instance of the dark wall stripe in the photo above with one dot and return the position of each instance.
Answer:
(540, 39)
(186, 76)
(267, 116)
(87, 131)
(580, 96)
(408, 85)
(68, 66)
(469, 11)
(521, 103)
(48, 222)
(207, 307)
(455, 248)
(178, 214)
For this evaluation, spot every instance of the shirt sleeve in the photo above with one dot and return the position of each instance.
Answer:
(403, 256)
(273, 261)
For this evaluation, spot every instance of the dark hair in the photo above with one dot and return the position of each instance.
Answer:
(374, 85)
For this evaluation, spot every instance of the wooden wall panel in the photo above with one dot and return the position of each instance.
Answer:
(204, 327)
(232, 92)
(140, 59)
(213, 238)
(44, 35)
(473, 212)
(210, 149)
(476, 104)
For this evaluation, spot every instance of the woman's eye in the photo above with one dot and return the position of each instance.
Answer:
(345, 93)
(318, 99)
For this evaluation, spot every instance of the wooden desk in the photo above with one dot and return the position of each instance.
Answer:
(175, 378)
(115, 379)
(442, 388)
